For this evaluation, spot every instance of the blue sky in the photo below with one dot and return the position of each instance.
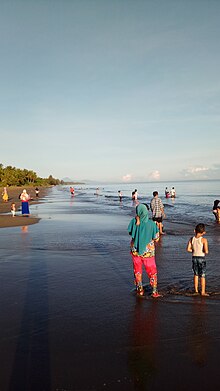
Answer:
(113, 90)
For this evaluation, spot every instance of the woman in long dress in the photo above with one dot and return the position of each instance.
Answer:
(24, 197)
(144, 233)
(5, 195)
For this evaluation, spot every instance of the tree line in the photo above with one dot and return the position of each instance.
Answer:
(12, 176)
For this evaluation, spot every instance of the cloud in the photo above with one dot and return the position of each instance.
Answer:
(196, 170)
(127, 178)
(154, 175)
(216, 167)
(202, 172)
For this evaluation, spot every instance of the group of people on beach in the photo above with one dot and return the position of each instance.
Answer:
(24, 197)
(145, 233)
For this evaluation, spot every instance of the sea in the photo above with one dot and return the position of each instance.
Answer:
(193, 203)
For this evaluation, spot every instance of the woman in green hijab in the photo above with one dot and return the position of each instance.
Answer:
(144, 233)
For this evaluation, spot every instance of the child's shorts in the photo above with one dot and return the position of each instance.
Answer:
(199, 266)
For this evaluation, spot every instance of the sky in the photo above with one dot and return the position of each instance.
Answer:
(111, 90)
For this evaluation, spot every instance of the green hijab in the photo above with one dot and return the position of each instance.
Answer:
(142, 234)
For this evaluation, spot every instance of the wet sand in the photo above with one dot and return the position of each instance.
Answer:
(6, 219)
(71, 321)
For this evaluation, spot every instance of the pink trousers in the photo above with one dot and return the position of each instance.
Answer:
(150, 267)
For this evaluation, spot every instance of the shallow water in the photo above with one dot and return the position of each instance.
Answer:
(70, 319)
(194, 199)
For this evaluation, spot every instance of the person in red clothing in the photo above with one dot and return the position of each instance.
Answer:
(72, 191)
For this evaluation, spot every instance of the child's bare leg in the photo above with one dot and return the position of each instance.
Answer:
(196, 283)
(160, 226)
(203, 293)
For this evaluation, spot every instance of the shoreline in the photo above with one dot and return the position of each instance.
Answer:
(7, 220)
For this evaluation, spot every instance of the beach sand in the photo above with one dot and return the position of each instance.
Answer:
(70, 319)
(6, 219)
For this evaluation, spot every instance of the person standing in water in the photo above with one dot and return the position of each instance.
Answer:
(216, 210)
(120, 195)
(144, 233)
(167, 193)
(72, 191)
(135, 194)
(157, 209)
(198, 246)
(173, 193)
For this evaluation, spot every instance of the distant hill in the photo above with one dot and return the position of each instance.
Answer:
(70, 181)
(67, 179)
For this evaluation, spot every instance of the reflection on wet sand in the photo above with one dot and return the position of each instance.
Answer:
(142, 356)
(198, 333)
(31, 364)
(24, 229)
